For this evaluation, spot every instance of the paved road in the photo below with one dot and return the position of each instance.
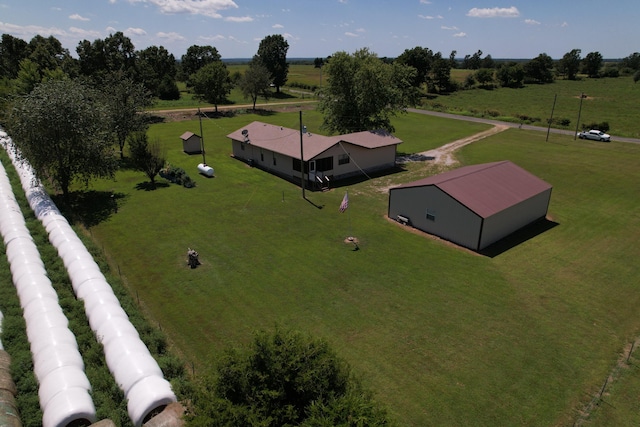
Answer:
(513, 125)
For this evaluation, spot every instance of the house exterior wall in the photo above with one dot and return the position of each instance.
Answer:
(450, 219)
(368, 159)
(512, 219)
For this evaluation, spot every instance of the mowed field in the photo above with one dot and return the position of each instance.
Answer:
(444, 336)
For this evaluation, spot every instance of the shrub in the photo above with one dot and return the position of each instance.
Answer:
(603, 126)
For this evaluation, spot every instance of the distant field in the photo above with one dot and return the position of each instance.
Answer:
(445, 337)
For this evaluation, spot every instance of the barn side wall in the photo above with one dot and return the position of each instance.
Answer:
(514, 218)
(448, 218)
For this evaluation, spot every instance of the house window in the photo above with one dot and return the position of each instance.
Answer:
(262, 157)
(274, 160)
(431, 215)
(324, 164)
(296, 166)
(343, 159)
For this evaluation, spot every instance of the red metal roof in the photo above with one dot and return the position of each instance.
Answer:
(486, 188)
(287, 141)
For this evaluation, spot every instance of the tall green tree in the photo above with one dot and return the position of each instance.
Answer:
(591, 64)
(61, 129)
(125, 101)
(212, 83)
(255, 81)
(155, 65)
(569, 65)
(420, 58)
(510, 74)
(147, 157)
(285, 378)
(12, 51)
(272, 52)
(196, 58)
(363, 93)
(440, 80)
(539, 69)
(114, 54)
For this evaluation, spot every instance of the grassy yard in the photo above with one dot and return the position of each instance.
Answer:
(444, 336)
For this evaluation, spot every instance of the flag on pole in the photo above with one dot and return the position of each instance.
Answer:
(345, 202)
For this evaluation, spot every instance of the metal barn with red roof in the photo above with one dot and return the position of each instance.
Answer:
(472, 206)
(279, 149)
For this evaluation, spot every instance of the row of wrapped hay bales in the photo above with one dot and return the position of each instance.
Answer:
(136, 372)
(63, 386)
(9, 416)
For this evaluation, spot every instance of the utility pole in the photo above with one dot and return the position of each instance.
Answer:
(301, 158)
(575, 135)
(551, 118)
(204, 161)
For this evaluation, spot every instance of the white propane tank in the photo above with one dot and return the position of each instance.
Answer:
(205, 170)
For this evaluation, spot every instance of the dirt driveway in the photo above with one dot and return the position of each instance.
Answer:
(445, 155)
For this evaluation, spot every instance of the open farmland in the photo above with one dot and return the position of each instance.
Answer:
(444, 336)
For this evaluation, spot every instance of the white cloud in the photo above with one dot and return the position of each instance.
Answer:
(350, 34)
(425, 17)
(30, 30)
(237, 40)
(135, 32)
(85, 34)
(564, 24)
(361, 30)
(208, 8)
(238, 19)
(449, 28)
(460, 34)
(77, 17)
(278, 26)
(215, 38)
(531, 22)
(494, 12)
(172, 36)
(425, 2)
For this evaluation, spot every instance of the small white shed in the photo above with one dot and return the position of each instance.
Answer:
(191, 143)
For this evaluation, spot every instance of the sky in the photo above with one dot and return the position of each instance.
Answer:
(319, 28)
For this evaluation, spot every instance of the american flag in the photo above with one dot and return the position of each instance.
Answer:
(345, 202)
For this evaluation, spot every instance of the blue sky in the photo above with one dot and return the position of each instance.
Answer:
(318, 28)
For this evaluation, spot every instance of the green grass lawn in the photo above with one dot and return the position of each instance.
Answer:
(444, 336)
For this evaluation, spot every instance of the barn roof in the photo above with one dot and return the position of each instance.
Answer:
(486, 188)
(287, 141)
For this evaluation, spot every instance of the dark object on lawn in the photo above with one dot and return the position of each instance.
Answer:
(192, 260)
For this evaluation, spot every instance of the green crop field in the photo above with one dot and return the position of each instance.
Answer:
(526, 336)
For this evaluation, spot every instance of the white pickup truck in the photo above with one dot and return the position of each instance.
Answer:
(596, 135)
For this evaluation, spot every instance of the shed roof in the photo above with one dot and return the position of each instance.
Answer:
(486, 188)
(185, 136)
(287, 141)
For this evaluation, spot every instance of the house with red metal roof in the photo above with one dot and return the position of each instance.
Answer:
(472, 206)
(279, 150)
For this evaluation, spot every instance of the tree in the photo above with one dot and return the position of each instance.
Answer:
(155, 66)
(539, 69)
(484, 76)
(363, 93)
(632, 61)
(272, 52)
(441, 74)
(255, 82)
(125, 100)
(60, 128)
(285, 379)
(212, 83)
(421, 59)
(510, 75)
(472, 62)
(146, 157)
(114, 54)
(28, 77)
(592, 63)
(12, 51)
(569, 65)
(197, 57)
